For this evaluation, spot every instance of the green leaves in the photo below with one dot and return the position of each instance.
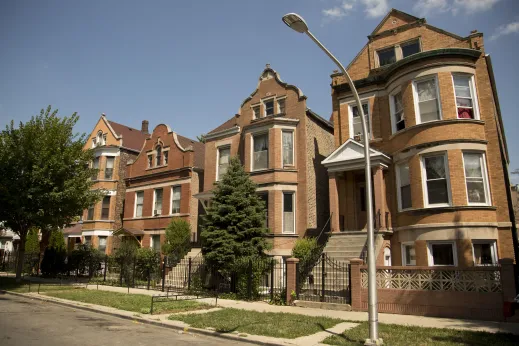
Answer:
(178, 240)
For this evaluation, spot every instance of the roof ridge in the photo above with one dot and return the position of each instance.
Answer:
(114, 122)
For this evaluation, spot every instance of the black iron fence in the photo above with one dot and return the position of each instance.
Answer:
(31, 264)
(326, 281)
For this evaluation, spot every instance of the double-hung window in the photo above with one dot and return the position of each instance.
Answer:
(281, 106)
(95, 165)
(139, 203)
(442, 253)
(485, 252)
(397, 111)
(476, 178)
(90, 212)
(404, 186)
(224, 154)
(105, 211)
(288, 148)
(102, 244)
(109, 169)
(155, 242)
(356, 121)
(175, 199)
(157, 208)
(260, 154)
(465, 96)
(435, 175)
(269, 107)
(427, 100)
(289, 212)
(159, 156)
(408, 254)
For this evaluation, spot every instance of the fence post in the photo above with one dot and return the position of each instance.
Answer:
(272, 280)
(507, 285)
(323, 275)
(291, 278)
(163, 273)
(189, 274)
(249, 280)
(106, 265)
(355, 284)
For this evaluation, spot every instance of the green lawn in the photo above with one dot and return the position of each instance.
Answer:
(130, 302)
(280, 325)
(396, 335)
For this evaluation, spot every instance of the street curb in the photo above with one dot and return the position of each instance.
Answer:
(155, 323)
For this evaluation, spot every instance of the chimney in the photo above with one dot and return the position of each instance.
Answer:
(144, 127)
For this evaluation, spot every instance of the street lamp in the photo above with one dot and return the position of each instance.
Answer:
(297, 23)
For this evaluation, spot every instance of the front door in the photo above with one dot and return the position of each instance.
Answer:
(360, 203)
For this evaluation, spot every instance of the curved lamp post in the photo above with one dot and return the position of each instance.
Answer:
(297, 23)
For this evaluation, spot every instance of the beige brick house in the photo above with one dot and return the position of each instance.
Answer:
(160, 185)
(439, 154)
(114, 146)
(281, 144)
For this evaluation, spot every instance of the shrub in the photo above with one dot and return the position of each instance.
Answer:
(307, 250)
(53, 262)
(148, 263)
(123, 257)
(178, 240)
(85, 260)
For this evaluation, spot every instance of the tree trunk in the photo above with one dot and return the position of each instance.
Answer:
(21, 256)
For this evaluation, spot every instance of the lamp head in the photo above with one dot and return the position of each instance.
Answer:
(296, 22)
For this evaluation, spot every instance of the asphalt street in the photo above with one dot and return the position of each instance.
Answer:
(24, 321)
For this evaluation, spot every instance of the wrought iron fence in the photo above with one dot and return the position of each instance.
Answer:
(441, 279)
(326, 281)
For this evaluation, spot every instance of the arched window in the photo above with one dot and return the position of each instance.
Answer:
(159, 156)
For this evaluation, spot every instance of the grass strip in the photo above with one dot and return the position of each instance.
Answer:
(275, 324)
(396, 335)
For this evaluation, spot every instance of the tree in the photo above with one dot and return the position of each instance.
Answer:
(201, 138)
(32, 244)
(44, 176)
(234, 225)
(178, 240)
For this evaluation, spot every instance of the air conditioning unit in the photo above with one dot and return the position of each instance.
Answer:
(157, 212)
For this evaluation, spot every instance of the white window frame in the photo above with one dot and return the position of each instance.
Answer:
(113, 166)
(424, 180)
(350, 115)
(293, 148)
(398, 185)
(418, 116)
(135, 204)
(392, 109)
(293, 193)
(259, 111)
(171, 200)
(404, 259)
(283, 98)
(493, 250)
(252, 151)
(430, 257)
(273, 99)
(221, 147)
(154, 200)
(473, 94)
(484, 173)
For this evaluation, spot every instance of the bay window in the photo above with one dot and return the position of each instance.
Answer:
(397, 112)
(109, 169)
(485, 252)
(224, 154)
(95, 165)
(442, 253)
(102, 244)
(260, 157)
(356, 122)
(90, 212)
(288, 148)
(476, 178)
(105, 208)
(404, 186)
(408, 254)
(289, 212)
(465, 96)
(265, 199)
(427, 101)
(435, 177)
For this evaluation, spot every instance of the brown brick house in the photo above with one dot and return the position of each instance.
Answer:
(114, 146)
(160, 184)
(439, 153)
(281, 144)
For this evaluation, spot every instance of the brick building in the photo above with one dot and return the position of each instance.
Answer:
(439, 154)
(160, 185)
(114, 146)
(281, 144)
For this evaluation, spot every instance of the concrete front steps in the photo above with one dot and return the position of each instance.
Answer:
(178, 275)
(344, 246)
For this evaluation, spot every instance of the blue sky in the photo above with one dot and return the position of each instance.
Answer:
(191, 63)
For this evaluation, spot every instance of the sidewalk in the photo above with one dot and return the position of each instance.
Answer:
(419, 321)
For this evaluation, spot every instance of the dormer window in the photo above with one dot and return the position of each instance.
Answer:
(159, 156)
(400, 51)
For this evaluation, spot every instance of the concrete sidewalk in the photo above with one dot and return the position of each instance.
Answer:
(419, 321)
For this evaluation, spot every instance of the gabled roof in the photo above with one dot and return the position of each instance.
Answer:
(350, 156)
(132, 138)
(394, 12)
(226, 125)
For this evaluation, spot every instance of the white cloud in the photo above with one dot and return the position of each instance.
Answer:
(338, 12)
(507, 29)
(425, 7)
(376, 8)
(472, 6)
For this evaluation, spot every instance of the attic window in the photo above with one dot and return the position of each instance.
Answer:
(386, 56)
(400, 51)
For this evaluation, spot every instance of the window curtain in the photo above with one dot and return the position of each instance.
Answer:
(426, 90)
(261, 152)
(288, 148)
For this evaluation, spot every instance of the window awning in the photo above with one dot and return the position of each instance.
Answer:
(350, 156)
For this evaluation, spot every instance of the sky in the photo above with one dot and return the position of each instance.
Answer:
(190, 64)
